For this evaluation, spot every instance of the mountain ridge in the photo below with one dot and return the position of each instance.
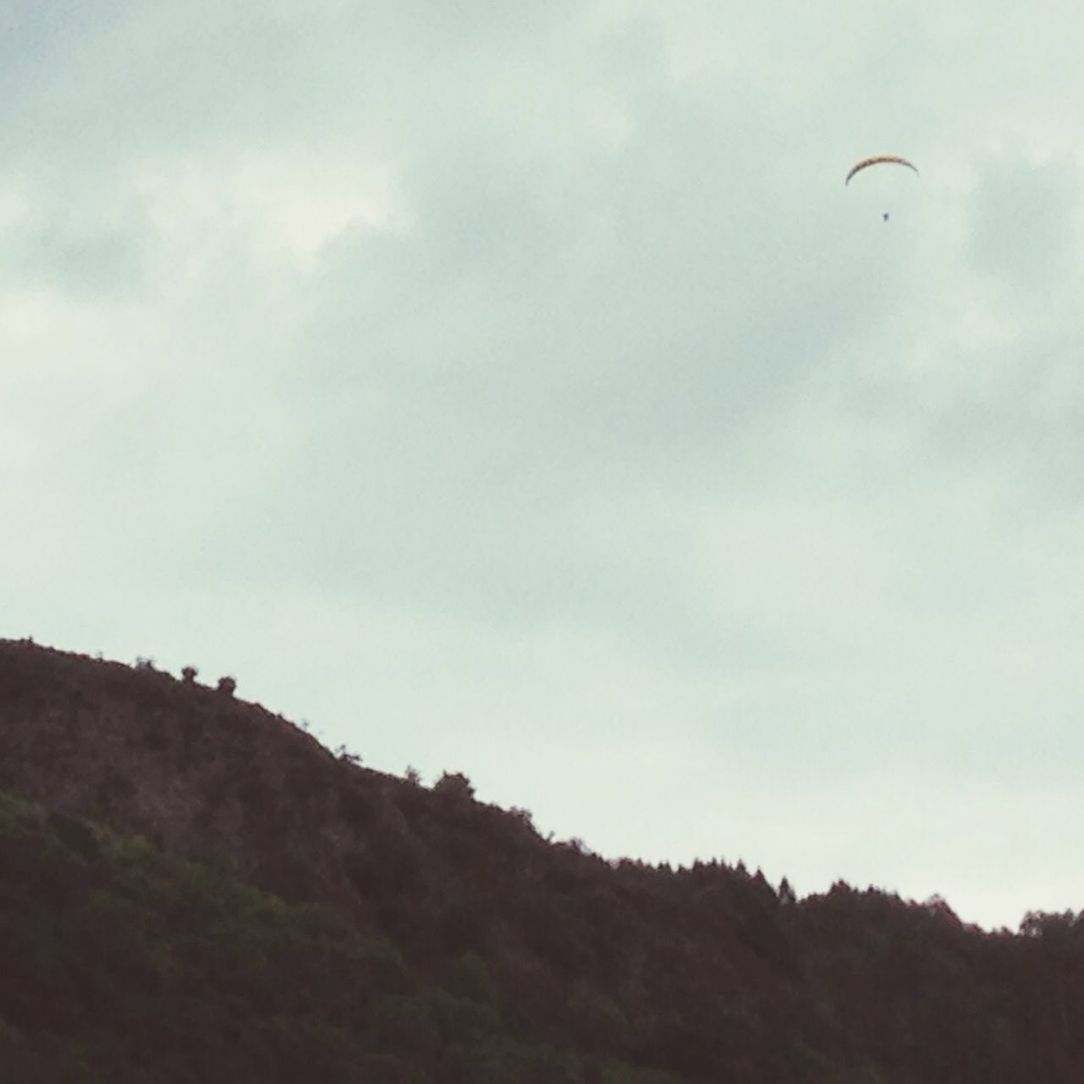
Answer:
(707, 973)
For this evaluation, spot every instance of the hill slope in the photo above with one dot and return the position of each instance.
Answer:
(707, 974)
(126, 963)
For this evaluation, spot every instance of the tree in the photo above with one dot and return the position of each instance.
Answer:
(454, 785)
(786, 893)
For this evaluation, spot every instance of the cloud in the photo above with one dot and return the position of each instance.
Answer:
(524, 393)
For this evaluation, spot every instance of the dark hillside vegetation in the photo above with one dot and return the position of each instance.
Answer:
(565, 966)
(125, 963)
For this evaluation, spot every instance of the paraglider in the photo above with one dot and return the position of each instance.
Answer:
(876, 160)
(879, 160)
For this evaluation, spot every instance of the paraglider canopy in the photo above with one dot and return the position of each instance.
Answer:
(876, 160)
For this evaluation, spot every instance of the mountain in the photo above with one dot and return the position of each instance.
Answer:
(267, 910)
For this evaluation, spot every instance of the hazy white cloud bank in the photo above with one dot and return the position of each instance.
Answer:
(524, 393)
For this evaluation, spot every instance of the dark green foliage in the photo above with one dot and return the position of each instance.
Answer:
(125, 963)
(339, 924)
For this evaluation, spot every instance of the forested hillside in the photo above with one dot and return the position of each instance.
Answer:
(192, 888)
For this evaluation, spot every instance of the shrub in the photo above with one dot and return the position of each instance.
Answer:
(454, 785)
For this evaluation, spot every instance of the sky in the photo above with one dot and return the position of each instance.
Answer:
(519, 390)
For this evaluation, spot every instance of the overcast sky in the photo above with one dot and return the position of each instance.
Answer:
(517, 389)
